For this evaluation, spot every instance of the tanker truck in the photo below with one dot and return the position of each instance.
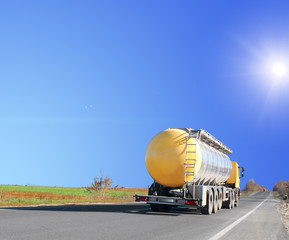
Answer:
(191, 168)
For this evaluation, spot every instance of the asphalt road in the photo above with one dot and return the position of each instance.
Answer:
(136, 221)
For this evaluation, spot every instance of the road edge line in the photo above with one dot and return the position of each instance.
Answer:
(232, 225)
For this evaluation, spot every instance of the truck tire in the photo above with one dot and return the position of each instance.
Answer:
(228, 203)
(216, 202)
(220, 200)
(209, 206)
(237, 199)
(233, 200)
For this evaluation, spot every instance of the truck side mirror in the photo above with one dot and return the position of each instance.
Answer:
(242, 172)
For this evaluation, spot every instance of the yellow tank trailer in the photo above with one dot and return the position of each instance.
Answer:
(190, 167)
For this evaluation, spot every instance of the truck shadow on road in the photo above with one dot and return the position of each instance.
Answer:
(142, 209)
(135, 208)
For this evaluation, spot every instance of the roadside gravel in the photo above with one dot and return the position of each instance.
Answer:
(283, 209)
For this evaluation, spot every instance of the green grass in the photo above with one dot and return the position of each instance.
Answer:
(64, 190)
(55, 190)
(33, 201)
(17, 195)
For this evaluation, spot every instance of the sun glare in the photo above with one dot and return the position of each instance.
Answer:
(279, 69)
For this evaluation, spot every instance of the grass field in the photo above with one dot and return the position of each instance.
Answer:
(17, 195)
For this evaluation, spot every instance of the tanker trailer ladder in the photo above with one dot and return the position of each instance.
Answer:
(190, 163)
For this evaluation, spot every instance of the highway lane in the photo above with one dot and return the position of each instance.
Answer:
(128, 221)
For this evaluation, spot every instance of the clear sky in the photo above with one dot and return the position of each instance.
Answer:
(85, 85)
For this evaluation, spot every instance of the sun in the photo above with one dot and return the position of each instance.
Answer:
(279, 69)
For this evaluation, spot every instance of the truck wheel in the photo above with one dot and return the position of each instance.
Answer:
(220, 200)
(228, 203)
(216, 202)
(237, 200)
(210, 201)
(233, 200)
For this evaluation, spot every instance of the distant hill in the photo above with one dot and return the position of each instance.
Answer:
(282, 187)
(251, 186)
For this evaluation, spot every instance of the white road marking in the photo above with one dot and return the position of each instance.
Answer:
(227, 229)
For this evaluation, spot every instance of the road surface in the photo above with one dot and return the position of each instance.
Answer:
(255, 218)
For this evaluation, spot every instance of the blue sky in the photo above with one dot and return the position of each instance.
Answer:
(85, 85)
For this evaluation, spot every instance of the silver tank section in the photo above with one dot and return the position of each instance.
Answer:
(215, 165)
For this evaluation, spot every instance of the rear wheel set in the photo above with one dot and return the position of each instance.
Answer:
(233, 200)
(220, 200)
(208, 209)
(216, 202)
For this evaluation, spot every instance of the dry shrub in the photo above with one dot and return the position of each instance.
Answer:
(100, 184)
(282, 187)
(251, 186)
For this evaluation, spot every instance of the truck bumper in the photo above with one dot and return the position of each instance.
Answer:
(173, 201)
